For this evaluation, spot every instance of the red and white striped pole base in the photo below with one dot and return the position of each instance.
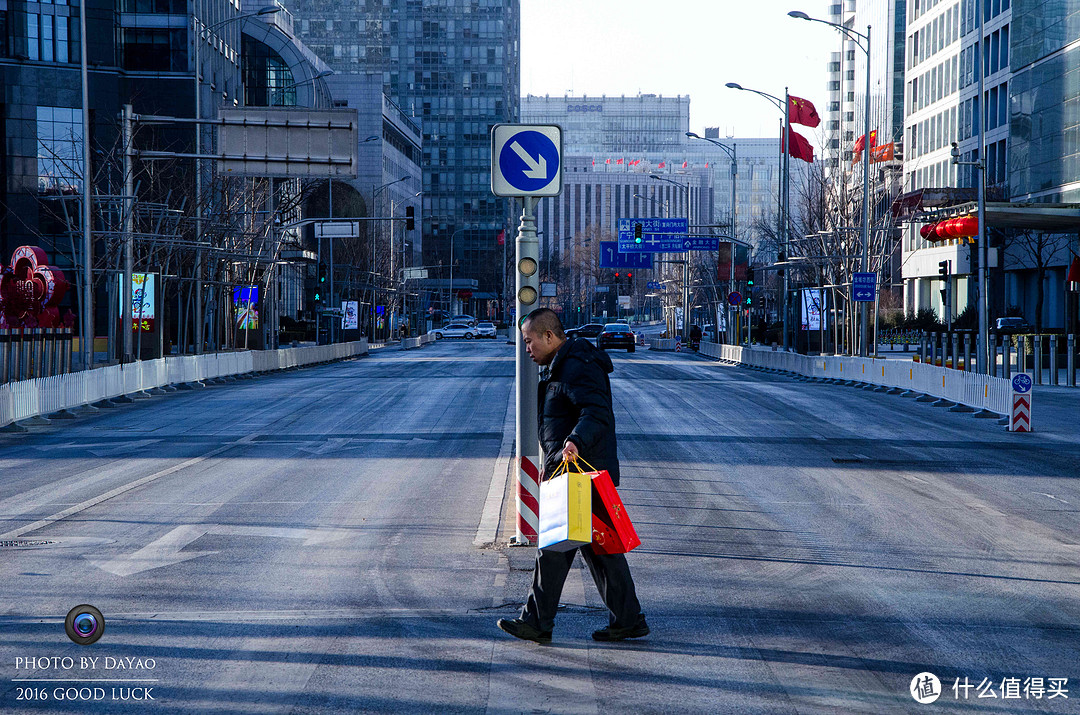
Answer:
(528, 501)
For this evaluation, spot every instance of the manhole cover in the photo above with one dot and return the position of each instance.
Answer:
(23, 542)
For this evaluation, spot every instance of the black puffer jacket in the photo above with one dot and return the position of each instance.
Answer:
(574, 403)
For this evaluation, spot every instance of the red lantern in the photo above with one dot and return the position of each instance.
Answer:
(968, 225)
(926, 230)
(951, 229)
(939, 229)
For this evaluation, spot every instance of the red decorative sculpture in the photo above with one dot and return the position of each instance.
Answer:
(30, 291)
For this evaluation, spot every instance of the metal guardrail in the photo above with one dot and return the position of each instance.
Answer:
(46, 395)
(965, 388)
(667, 344)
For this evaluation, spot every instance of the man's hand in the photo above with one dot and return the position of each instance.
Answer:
(570, 452)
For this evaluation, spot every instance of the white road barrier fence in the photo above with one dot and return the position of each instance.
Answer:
(46, 395)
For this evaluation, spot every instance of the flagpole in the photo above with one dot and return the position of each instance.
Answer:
(863, 332)
(786, 213)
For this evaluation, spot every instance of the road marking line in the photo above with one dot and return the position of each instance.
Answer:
(83, 506)
(488, 530)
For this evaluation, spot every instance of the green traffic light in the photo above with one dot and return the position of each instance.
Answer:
(317, 297)
(637, 240)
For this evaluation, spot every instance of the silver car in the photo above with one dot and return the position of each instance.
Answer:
(485, 330)
(455, 330)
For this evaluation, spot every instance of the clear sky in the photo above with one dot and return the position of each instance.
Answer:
(675, 47)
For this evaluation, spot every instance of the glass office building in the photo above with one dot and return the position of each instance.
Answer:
(453, 66)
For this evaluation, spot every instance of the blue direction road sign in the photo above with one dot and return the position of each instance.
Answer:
(864, 287)
(526, 160)
(658, 235)
(1021, 383)
(652, 285)
(610, 257)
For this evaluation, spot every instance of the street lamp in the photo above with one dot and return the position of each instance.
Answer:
(734, 173)
(857, 37)
(200, 31)
(450, 301)
(371, 258)
(783, 105)
(686, 258)
(275, 90)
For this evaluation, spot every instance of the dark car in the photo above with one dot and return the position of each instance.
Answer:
(1011, 326)
(590, 330)
(616, 335)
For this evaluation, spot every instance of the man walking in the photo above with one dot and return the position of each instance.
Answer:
(575, 417)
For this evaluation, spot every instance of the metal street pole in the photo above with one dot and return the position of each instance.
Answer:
(331, 303)
(526, 374)
(86, 341)
(785, 214)
(864, 333)
(984, 277)
(126, 297)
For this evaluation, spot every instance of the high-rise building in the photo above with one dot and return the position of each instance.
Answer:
(453, 67)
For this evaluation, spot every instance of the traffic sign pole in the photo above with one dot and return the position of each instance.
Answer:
(527, 378)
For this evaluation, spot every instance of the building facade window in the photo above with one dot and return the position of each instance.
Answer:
(59, 150)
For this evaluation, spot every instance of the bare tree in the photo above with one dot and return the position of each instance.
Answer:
(1039, 250)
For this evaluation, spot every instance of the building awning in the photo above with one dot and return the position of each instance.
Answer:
(931, 205)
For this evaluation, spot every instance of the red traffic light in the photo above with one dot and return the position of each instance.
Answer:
(616, 274)
(629, 275)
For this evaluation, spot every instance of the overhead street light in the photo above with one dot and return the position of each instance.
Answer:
(686, 258)
(858, 38)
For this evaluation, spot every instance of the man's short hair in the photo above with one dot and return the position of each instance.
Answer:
(542, 320)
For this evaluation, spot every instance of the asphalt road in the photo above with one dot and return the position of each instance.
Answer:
(303, 543)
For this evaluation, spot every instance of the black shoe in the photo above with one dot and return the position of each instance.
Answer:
(520, 629)
(611, 633)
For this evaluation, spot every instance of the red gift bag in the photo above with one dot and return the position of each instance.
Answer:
(613, 532)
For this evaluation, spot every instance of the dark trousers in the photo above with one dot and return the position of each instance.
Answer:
(610, 572)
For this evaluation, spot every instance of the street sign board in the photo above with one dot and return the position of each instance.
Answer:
(415, 273)
(337, 229)
(611, 257)
(526, 160)
(1021, 383)
(864, 287)
(290, 143)
(734, 298)
(658, 235)
(652, 285)
(549, 290)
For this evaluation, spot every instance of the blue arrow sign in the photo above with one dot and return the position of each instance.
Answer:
(528, 160)
(864, 287)
(611, 257)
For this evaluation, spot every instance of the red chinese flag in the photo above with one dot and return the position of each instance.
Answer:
(607, 161)
(618, 161)
(873, 139)
(799, 147)
(802, 111)
(684, 165)
(500, 238)
(661, 165)
(860, 144)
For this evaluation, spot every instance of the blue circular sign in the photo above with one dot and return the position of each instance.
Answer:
(734, 297)
(1021, 383)
(529, 161)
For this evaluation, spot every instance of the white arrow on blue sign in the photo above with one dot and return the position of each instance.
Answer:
(1021, 383)
(526, 160)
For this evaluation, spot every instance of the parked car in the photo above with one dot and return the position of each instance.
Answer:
(591, 330)
(485, 330)
(1011, 326)
(708, 333)
(467, 319)
(455, 330)
(616, 335)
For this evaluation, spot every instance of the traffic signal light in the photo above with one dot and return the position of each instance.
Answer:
(410, 219)
(943, 269)
(322, 274)
(637, 232)
(750, 277)
(749, 300)
(629, 275)
(616, 275)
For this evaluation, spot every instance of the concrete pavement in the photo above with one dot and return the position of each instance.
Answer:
(303, 543)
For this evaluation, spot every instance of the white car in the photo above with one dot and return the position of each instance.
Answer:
(485, 330)
(455, 330)
(467, 319)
